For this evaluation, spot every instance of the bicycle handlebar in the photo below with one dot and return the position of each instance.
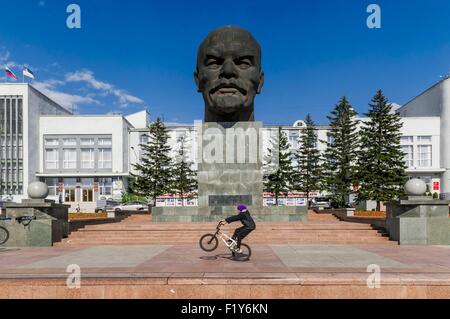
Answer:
(220, 224)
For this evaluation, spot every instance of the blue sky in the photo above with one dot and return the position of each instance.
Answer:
(133, 54)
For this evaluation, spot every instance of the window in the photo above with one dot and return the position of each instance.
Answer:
(406, 140)
(69, 195)
(424, 155)
(274, 133)
(143, 139)
(424, 139)
(293, 139)
(70, 159)
(105, 186)
(70, 182)
(52, 186)
(51, 142)
(408, 158)
(88, 195)
(51, 158)
(87, 182)
(87, 191)
(69, 189)
(87, 158)
(104, 141)
(87, 141)
(104, 158)
(70, 142)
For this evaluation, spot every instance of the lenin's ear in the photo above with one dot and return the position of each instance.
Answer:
(197, 81)
(261, 82)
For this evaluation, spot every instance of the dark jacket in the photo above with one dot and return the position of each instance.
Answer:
(245, 219)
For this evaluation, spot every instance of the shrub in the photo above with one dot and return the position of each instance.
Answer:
(127, 197)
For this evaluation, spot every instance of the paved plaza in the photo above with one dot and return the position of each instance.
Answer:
(180, 271)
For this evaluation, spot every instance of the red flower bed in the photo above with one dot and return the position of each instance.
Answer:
(361, 213)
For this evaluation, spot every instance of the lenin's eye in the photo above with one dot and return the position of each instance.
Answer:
(244, 62)
(212, 62)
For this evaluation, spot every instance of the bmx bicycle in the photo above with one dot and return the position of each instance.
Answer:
(4, 232)
(210, 242)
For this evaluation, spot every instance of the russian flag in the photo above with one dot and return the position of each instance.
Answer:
(10, 73)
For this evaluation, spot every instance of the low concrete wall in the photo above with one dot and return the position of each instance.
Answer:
(210, 214)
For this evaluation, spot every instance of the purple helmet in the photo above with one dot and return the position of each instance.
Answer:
(242, 208)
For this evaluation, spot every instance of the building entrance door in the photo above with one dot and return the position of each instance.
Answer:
(88, 195)
(69, 195)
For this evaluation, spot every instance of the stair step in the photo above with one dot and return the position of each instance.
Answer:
(139, 229)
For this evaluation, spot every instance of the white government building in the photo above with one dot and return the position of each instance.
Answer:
(84, 158)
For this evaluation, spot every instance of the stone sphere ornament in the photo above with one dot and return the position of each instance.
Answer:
(415, 187)
(37, 190)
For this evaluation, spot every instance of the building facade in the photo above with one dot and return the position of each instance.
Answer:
(426, 137)
(20, 108)
(86, 158)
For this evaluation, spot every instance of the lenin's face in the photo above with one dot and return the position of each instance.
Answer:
(228, 71)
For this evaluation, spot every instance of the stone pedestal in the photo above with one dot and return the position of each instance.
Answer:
(419, 220)
(51, 223)
(230, 160)
(230, 165)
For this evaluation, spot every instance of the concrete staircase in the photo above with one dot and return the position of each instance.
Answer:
(138, 229)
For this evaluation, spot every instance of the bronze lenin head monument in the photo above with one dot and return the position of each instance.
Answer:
(229, 74)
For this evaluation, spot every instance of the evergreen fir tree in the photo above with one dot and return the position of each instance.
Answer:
(340, 155)
(381, 159)
(184, 178)
(308, 170)
(278, 170)
(154, 170)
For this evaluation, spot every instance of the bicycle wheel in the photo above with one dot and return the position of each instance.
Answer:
(208, 242)
(4, 235)
(244, 255)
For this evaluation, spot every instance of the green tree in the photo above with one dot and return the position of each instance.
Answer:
(154, 175)
(340, 156)
(381, 160)
(308, 170)
(278, 170)
(127, 197)
(184, 178)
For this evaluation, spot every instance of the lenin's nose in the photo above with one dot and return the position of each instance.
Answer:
(228, 70)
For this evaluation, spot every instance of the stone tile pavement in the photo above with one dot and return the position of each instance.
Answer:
(274, 271)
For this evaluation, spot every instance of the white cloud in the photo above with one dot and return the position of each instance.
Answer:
(87, 76)
(4, 56)
(66, 100)
(90, 89)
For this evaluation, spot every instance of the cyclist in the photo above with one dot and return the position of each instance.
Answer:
(248, 225)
